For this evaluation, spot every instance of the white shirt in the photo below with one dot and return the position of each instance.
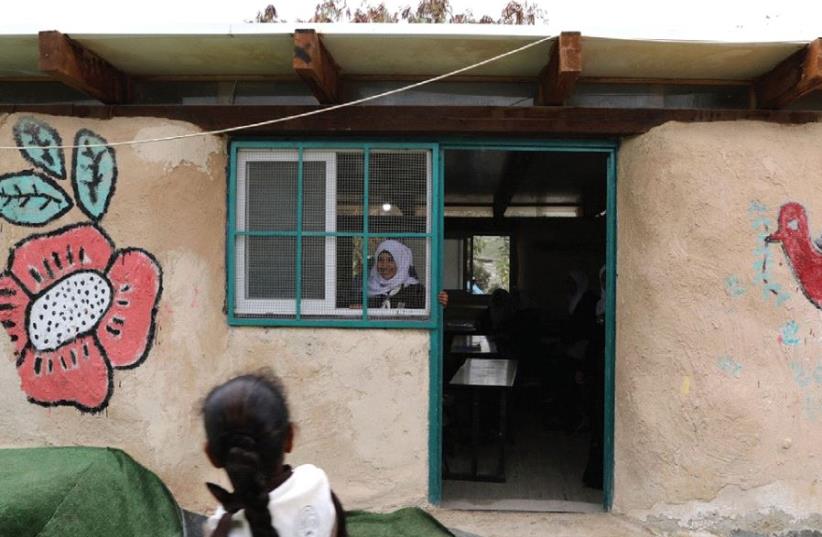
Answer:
(300, 507)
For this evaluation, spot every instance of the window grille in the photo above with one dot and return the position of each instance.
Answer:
(305, 223)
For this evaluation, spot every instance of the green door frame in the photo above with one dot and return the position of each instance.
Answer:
(435, 356)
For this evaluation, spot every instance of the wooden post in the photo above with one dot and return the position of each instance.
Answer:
(558, 78)
(796, 76)
(316, 67)
(74, 65)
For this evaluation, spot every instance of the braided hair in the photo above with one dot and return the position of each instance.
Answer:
(246, 423)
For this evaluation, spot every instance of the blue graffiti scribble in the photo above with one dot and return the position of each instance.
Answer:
(811, 407)
(800, 376)
(760, 265)
(757, 207)
(762, 221)
(763, 257)
(772, 288)
(733, 287)
(729, 366)
(787, 334)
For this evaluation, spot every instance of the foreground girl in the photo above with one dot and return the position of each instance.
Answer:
(248, 433)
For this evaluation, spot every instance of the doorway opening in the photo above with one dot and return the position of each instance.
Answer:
(526, 414)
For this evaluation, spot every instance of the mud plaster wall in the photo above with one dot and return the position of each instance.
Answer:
(359, 398)
(718, 378)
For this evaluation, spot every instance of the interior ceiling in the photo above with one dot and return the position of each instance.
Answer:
(473, 177)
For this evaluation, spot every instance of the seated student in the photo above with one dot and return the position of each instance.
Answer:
(248, 433)
(392, 280)
(513, 329)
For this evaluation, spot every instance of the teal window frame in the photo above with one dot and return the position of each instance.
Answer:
(363, 321)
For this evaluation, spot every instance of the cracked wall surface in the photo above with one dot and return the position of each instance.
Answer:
(718, 348)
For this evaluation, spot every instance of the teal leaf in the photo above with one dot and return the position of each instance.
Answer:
(31, 199)
(94, 174)
(35, 135)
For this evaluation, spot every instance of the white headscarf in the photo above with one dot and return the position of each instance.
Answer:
(403, 258)
(601, 302)
(581, 280)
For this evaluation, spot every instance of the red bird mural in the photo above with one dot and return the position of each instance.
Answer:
(804, 256)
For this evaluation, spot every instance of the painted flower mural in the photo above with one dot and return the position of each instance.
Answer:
(76, 309)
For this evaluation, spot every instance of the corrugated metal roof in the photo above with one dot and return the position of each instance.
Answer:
(395, 50)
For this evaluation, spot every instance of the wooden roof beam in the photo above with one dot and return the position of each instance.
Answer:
(71, 63)
(313, 63)
(558, 78)
(796, 76)
(425, 121)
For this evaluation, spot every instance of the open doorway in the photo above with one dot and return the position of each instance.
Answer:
(524, 346)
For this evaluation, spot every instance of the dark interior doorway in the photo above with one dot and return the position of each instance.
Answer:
(523, 346)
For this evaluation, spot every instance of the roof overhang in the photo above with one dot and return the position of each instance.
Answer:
(395, 50)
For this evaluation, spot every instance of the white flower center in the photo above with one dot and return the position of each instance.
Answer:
(73, 306)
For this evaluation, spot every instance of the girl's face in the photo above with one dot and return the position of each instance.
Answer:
(386, 266)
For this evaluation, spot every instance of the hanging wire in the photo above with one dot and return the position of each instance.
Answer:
(295, 116)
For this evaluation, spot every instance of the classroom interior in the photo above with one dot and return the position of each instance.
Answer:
(523, 377)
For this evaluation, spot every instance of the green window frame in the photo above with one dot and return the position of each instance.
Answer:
(240, 309)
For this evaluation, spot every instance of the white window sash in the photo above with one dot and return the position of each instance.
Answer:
(288, 307)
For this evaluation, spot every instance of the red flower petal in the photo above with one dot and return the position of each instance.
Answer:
(13, 303)
(41, 260)
(75, 374)
(126, 330)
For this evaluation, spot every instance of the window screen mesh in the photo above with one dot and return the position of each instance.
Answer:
(304, 225)
(270, 265)
(314, 195)
(313, 273)
(350, 183)
(398, 192)
(271, 196)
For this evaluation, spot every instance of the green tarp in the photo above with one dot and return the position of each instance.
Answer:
(102, 492)
(82, 492)
(408, 522)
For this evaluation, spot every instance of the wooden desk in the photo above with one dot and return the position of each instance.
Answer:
(486, 374)
(463, 343)
(472, 345)
(461, 326)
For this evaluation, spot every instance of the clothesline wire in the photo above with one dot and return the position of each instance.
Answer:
(294, 116)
